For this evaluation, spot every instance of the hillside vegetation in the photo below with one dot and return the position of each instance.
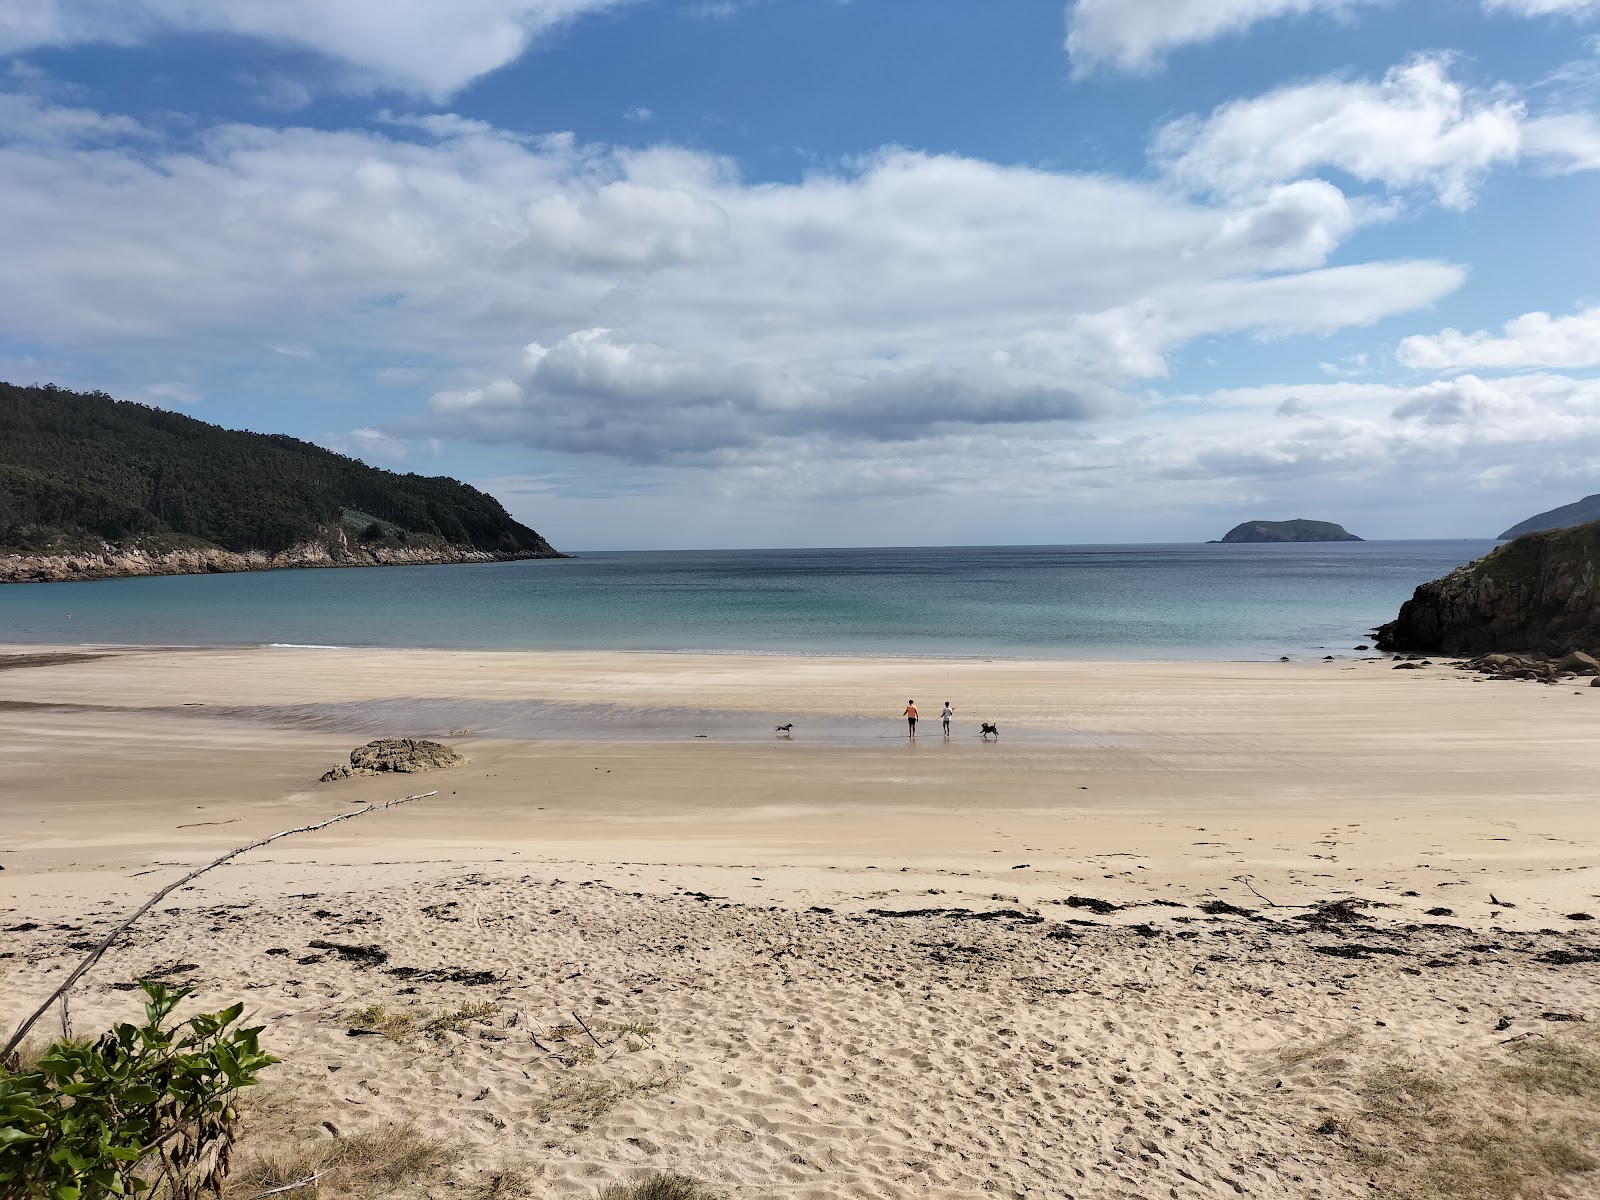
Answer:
(1579, 512)
(81, 471)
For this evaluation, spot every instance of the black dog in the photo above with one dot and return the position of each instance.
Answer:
(987, 729)
(789, 728)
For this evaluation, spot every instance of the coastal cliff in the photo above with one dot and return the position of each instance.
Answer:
(1298, 530)
(1540, 593)
(96, 488)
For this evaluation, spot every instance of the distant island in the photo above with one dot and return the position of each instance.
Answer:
(1580, 512)
(96, 488)
(1298, 530)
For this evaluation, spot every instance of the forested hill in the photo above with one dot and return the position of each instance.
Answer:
(83, 473)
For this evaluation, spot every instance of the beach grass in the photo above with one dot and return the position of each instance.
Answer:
(658, 1187)
(384, 1161)
(581, 1103)
(1520, 1122)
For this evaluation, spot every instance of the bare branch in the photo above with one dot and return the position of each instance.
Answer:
(94, 955)
(289, 1187)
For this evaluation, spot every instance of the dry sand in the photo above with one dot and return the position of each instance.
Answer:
(747, 895)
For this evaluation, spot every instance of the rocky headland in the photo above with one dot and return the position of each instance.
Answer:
(122, 562)
(1298, 530)
(1538, 594)
(97, 488)
(1580, 512)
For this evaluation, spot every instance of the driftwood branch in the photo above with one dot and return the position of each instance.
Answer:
(290, 1187)
(105, 944)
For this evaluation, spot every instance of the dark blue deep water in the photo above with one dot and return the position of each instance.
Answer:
(1106, 602)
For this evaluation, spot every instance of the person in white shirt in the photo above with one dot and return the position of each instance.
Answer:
(945, 717)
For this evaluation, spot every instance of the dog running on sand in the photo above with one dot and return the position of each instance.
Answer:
(785, 729)
(987, 729)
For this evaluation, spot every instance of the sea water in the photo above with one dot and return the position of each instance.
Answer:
(1086, 602)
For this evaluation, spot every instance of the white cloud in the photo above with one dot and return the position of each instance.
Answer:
(1136, 35)
(370, 444)
(173, 393)
(1415, 128)
(1362, 447)
(414, 45)
(639, 113)
(1533, 340)
(1565, 142)
(650, 304)
(1544, 8)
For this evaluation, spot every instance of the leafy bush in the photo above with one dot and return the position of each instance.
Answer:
(144, 1109)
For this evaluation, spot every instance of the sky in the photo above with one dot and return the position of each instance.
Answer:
(718, 273)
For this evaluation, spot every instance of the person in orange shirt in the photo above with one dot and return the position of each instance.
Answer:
(911, 717)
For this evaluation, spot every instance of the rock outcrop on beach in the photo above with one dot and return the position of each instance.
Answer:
(405, 755)
(1580, 512)
(1539, 594)
(1541, 670)
(1298, 530)
(95, 488)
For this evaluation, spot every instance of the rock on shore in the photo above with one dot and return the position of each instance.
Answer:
(116, 562)
(406, 755)
(1539, 593)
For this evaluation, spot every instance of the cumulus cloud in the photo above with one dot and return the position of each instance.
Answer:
(1416, 127)
(1136, 35)
(651, 305)
(1532, 340)
(369, 444)
(432, 49)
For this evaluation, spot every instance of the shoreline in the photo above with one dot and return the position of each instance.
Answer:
(1316, 656)
(114, 562)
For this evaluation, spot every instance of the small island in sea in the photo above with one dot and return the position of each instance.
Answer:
(97, 488)
(1298, 530)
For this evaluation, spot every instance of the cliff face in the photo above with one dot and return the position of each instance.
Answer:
(1540, 592)
(114, 562)
(1289, 531)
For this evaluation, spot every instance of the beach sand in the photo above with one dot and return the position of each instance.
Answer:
(1161, 938)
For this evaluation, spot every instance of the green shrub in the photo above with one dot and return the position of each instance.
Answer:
(144, 1109)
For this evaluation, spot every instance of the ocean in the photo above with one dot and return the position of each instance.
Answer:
(1085, 602)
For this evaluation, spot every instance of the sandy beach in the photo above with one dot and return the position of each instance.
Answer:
(1160, 938)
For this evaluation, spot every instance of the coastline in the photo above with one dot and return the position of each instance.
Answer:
(866, 969)
(133, 563)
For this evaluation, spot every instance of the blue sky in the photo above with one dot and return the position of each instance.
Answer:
(675, 273)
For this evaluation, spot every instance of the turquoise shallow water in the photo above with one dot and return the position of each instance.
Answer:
(1105, 602)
